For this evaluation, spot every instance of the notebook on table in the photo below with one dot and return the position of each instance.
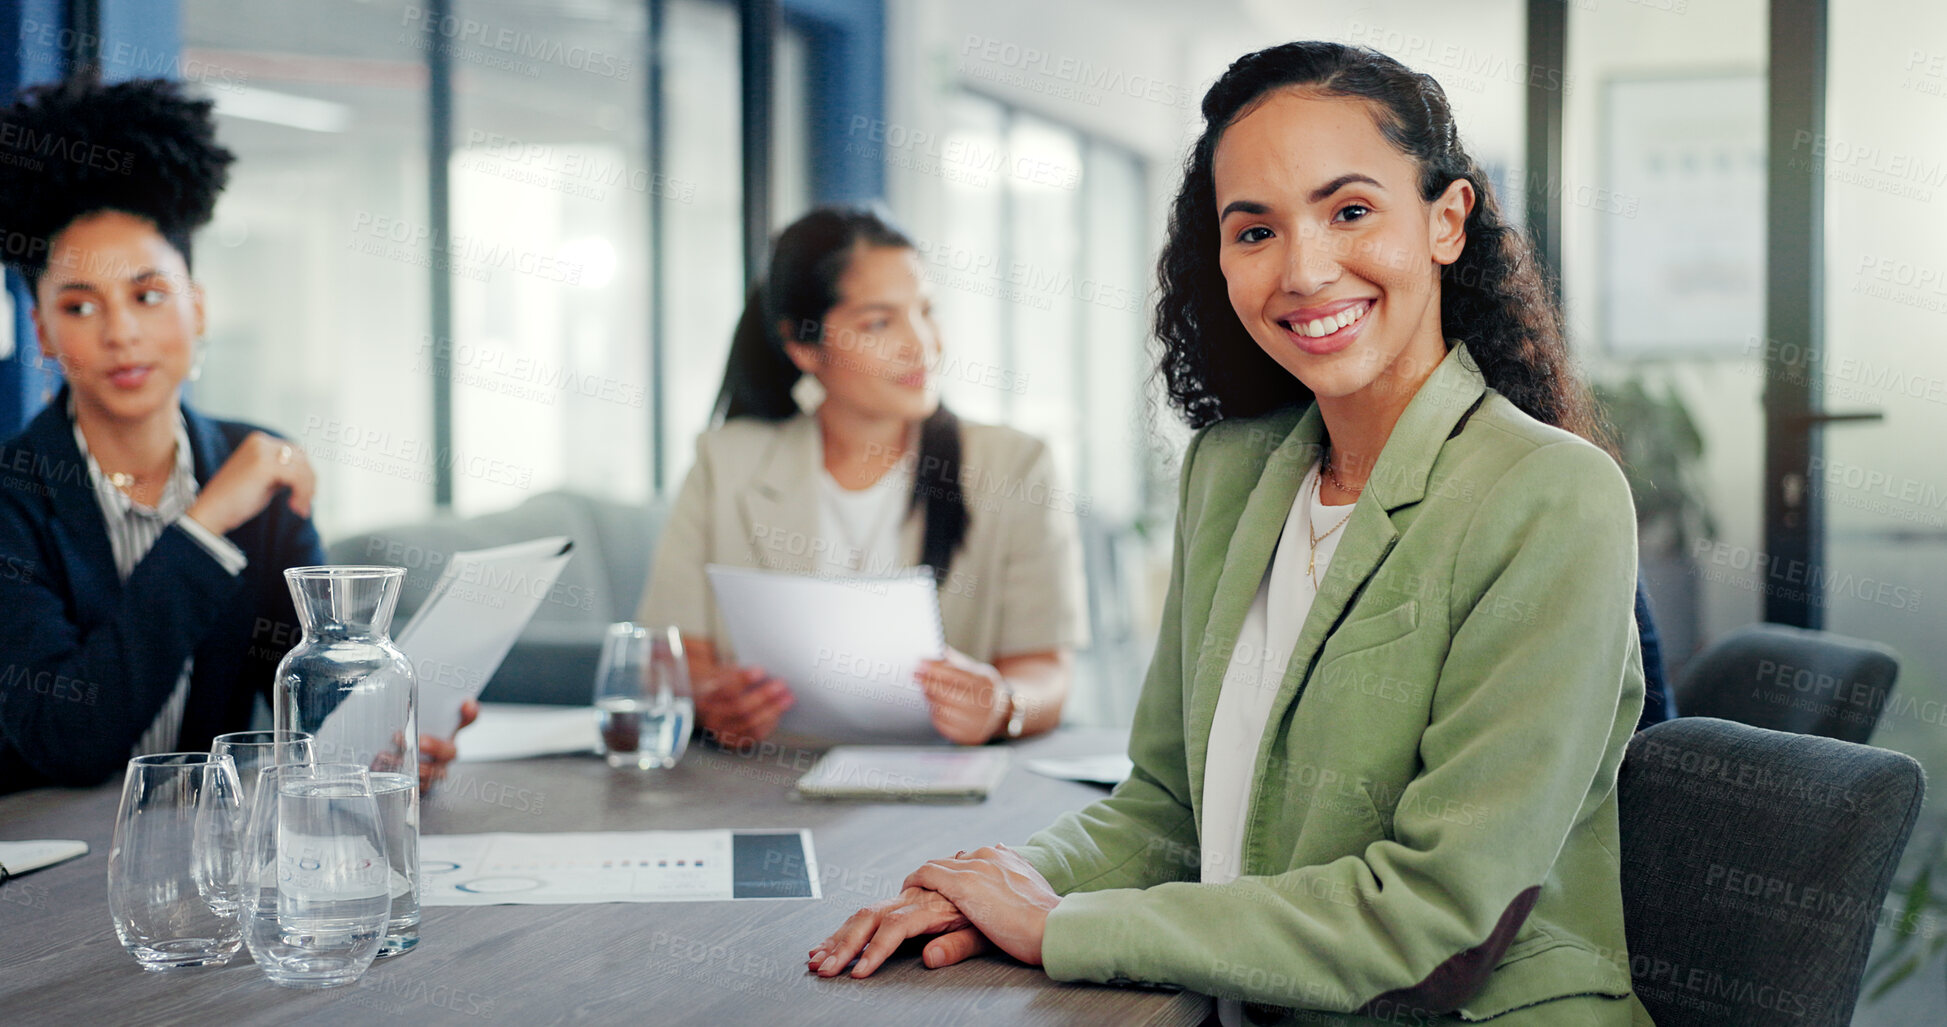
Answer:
(882, 772)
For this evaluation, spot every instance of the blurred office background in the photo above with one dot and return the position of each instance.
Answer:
(479, 250)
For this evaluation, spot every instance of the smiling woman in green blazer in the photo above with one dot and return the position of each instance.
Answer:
(1375, 756)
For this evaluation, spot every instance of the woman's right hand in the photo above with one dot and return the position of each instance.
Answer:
(246, 483)
(737, 704)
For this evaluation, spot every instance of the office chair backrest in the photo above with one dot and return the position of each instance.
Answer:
(1754, 866)
(1791, 679)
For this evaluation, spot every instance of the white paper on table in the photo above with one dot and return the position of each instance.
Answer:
(20, 857)
(1106, 769)
(518, 731)
(472, 617)
(615, 866)
(847, 648)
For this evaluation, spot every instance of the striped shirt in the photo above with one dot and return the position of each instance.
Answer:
(133, 530)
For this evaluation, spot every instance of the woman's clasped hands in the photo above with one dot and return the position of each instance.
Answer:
(976, 901)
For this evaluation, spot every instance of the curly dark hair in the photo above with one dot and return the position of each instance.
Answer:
(79, 147)
(1493, 297)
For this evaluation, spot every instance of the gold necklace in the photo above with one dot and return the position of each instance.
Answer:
(1333, 473)
(1311, 566)
(124, 481)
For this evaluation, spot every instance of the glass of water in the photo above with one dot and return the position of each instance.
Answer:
(169, 888)
(316, 894)
(642, 695)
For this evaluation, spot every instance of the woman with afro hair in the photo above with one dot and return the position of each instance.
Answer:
(143, 543)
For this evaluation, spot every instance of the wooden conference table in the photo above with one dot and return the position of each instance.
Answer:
(719, 963)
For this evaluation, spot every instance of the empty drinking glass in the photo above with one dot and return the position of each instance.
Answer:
(254, 750)
(315, 895)
(642, 693)
(169, 890)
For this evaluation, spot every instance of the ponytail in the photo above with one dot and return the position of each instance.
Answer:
(800, 288)
(936, 486)
(759, 375)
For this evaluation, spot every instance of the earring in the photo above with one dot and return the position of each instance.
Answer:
(196, 361)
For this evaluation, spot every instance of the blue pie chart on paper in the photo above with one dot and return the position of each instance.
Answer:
(498, 885)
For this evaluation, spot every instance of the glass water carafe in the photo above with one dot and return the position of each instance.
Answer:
(348, 686)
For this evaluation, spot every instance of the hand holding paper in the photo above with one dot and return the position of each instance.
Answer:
(848, 649)
(475, 613)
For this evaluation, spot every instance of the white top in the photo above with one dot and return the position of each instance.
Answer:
(132, 532)
(860, 528)
(1251, 682)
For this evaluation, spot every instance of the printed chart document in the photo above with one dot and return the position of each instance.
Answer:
(847, 647)
(472, 617)
(615, 866)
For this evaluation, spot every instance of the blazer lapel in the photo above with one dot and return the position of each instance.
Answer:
(780, 506)
(1399, 479)
(1253, 541)
(207, 446)
(77, 513)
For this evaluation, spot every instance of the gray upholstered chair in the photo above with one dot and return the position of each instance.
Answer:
(1791, 679)
(554, 659)
(1754, 866)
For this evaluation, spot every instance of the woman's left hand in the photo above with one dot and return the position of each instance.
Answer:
(436, 753)
(967, 698)
(1003, 896)
(874, 933)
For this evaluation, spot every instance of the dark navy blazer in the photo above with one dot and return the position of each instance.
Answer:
(86, 661)
(1659, 704)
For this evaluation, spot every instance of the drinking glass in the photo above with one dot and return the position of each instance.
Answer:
(221, 853)
(255, 750)
(169, 890)
(642, 693)
(315, 884)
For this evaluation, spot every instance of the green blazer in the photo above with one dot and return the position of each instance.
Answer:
(1432, 826)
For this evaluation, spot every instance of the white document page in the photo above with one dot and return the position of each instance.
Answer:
(17, 858)
(847, 648)
(475, 613)
(518, 731)
(1107, 769)
(616, 866)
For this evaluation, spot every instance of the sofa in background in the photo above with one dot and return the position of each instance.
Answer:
(554, 659)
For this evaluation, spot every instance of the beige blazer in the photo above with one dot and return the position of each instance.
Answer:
(751, 500)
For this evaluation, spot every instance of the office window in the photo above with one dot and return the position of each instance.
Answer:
(1624, 178)
(313, 267)
(550, 190)
(791, 133)
(1044, 179)
(326, 234)
(963, 267)
(1113, 360)
(703, 257)
(1039, 283)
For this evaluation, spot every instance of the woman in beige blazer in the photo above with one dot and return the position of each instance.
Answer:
(879, 477)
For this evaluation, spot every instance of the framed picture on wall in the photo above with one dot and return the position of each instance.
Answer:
(1683, 163)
